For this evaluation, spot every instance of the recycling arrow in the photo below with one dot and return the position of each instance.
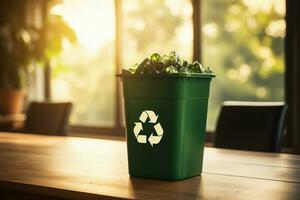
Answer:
(143, 117)
(148, 113)
(138, 128)
(142, 139)
(159, 129)
(153, 117)
(156, 139)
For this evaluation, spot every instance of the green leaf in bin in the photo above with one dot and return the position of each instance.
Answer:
(167, 64)
(184, 71)
(202, 68)
(185, 64)
(155, 57)
(208, 70)
(141, 68)
(125, 71)
(171, 70)
(196, 67)
(133, 68)
(174, 56)
(159, 66)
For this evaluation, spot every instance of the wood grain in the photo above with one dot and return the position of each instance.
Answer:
(81, 168)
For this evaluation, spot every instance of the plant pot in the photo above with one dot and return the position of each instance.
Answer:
(11, 101)
(165, 124)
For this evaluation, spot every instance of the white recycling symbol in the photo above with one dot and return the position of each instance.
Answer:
(153, 139)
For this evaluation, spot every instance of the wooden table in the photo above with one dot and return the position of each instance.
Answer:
(50, 167)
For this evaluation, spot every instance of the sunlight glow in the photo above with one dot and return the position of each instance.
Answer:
(180, 8)
(261, 91)
(242, 74)
(276, 28)
(210, 29)
(92, 21)
(266, 6)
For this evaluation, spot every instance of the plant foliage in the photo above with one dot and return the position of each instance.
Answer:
(22, 45)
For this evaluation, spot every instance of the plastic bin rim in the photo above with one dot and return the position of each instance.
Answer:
(190, 75)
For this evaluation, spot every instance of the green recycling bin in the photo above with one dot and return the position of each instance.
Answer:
(165, 124)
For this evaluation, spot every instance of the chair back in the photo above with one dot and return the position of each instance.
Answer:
(48, 118)
(256, 126)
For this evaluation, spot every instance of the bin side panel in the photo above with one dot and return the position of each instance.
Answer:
(193, 139)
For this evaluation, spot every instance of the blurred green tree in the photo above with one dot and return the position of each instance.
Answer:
(243, 41)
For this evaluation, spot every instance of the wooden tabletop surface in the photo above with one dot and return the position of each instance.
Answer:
(81, 168)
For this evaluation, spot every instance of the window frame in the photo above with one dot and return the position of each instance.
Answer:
(118, 129)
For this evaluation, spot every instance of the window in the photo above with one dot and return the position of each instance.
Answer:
(241, 39)
(156, 26)
(84, 73)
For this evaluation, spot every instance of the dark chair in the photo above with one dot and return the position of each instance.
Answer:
(48, 118)
(255, 126)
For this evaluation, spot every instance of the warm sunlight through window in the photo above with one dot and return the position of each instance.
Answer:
(243, 41)
(89, 20)
(156, 26)
(84, 73)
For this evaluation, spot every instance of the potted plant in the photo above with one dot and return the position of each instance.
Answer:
(165, 100)
(22, 46)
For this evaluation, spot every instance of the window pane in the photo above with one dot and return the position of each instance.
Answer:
(243, 41)
(84, 73)
(156, 26)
